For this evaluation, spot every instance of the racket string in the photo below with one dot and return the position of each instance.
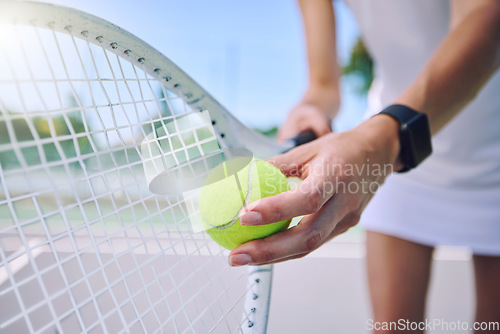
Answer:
(91, 211)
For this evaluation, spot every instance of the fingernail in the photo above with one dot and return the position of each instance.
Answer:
(239, 260)
(249, 207)
(251, 218)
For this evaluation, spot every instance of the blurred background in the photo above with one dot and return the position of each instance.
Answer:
(250, 55)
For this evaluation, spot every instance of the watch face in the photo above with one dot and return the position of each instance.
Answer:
(418, 139)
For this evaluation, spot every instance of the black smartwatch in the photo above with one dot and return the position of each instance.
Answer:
(414, 135)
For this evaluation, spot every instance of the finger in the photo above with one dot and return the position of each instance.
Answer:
(292, 162)
(233, 259)
(320, 125)
(322, 128)
(286, 132)
(292, 242)
(287, 205)
(343, 226)
(307, 198)
(349, 221)
(288, 258)
(308, 235)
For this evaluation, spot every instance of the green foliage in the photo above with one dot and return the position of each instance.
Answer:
(269, 132)
(359, 67)
(360, 64)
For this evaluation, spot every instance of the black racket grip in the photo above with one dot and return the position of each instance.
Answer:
(304, 137)
(301, 138)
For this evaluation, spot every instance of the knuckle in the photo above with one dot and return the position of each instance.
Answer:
(265, 255)
(315, 200)
(313, 240)
(276, 212)
(340, 167)
(354, 206)
(349, 222)
(354, 220)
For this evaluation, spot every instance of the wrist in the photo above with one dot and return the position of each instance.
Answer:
(414, 135)
(325, 97)
(381, 133)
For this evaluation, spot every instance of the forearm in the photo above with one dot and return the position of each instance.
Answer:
(319, 25)
(462, 64)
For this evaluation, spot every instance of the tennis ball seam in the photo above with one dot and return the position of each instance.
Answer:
(247, 198)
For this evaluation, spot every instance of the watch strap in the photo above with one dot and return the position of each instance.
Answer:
(400, 113)
(414, 135)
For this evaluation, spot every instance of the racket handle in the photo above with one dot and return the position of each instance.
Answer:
(304, 137)
(301, 138)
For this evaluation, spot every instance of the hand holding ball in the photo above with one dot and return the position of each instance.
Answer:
(230, 187)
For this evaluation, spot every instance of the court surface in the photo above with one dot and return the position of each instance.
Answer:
(327, 291)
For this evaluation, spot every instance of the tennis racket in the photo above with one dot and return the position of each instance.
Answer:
(91, 119)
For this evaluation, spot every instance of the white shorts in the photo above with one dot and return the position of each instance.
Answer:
(436, 215)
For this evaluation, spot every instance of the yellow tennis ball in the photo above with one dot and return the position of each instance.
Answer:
(229, 187)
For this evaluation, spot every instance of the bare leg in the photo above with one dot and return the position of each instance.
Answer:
(398, 273)
(487, 274)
